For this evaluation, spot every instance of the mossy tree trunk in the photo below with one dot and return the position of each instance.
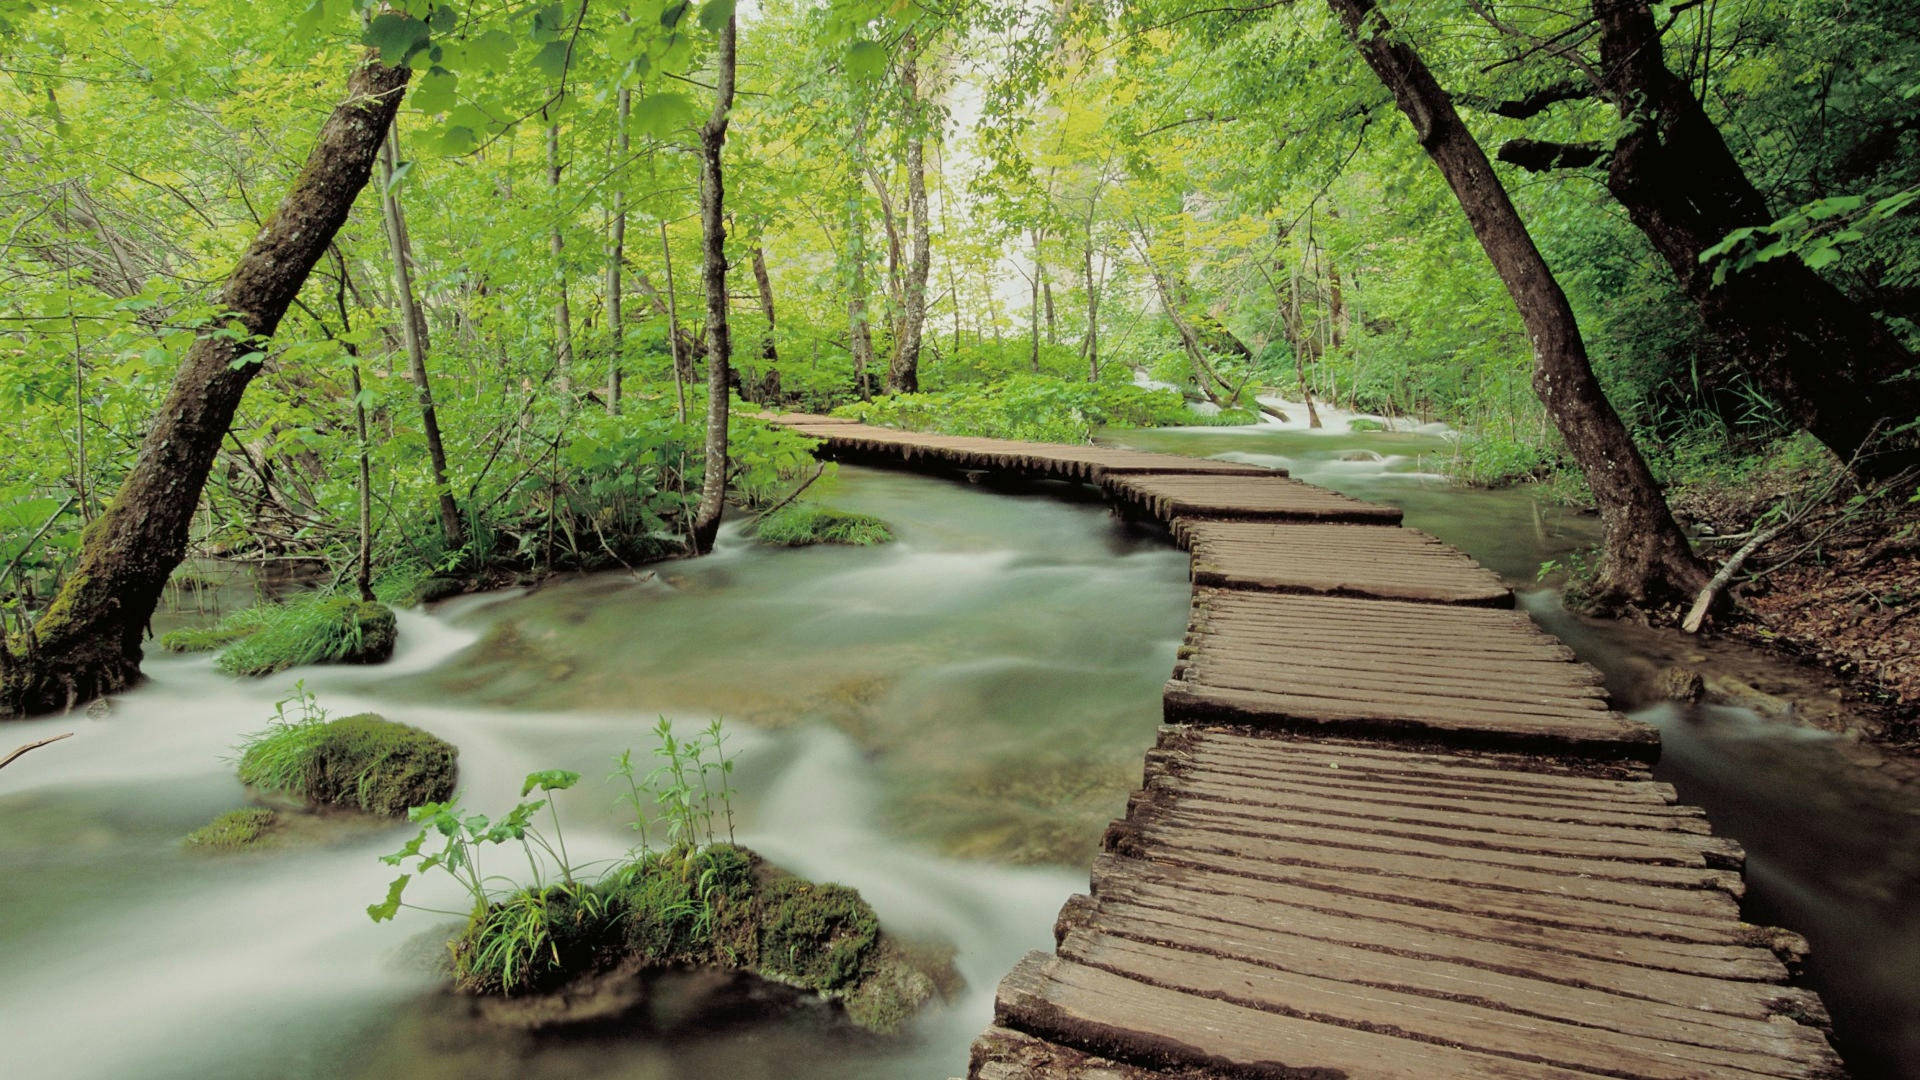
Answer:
(713, 229)
(1645, 557)
(87, 642)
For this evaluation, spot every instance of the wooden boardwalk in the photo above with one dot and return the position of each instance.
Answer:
(1391, 830)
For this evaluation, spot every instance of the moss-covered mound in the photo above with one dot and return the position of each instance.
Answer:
(334, 628)
(366, 762)
(718, 908)
(234, 830)
(801, 524)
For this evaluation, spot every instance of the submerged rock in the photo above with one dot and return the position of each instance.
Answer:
(235, 830)
(1678, 683)
(366, 762)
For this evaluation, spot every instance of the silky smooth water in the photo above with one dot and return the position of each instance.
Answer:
(946, 723)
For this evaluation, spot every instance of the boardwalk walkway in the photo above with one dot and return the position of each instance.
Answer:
(1391, 830)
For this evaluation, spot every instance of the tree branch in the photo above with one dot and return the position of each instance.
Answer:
(1531, 104)
(1538, 155)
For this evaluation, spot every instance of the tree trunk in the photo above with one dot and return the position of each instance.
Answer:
(682, 366)
(1645, 559)
(617, 252)
(713, 231)
(88, 641)
(562, 314)
(1822, 356)
(766, 388)
(363, 558)
(1092, 345)
(903, 373)
(410, 321)
(1033, 304)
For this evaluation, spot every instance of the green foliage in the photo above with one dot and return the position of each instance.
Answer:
(234, 830)
(312, 628)
(193, 639)
(803, 523)
(816, 936)
(362, 761)
(1032, 407)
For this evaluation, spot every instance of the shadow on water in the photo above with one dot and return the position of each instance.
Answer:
(1833, 846)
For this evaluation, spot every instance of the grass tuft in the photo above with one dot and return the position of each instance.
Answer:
(364, 761)
(802, 524)
(313, 629)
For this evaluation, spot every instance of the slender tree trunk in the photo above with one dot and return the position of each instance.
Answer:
(1823, 356)
(562, 313)
(903, 373)
(682, 367)
(410, 320)
(767, 387)
(1645, 556)
(87, 642)
(713, 230)
(1033, 304)
(363, 559)
(617, 252)
(1092, 345)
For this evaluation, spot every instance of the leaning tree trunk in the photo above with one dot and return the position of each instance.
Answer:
(903, 374)
(1645, 558)
(766, 388)
(713, 228)
(1821, 355)
(88, 641)
(412, 319)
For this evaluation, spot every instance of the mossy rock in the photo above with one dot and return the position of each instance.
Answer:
(235, 830)
(804, 524)
(1360, 423)
(815, 936)
(892, 993)
(193, 639)
(366, 762)
(334, 629)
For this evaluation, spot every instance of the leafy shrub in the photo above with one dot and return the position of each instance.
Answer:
(804, 523)
(1031, 407)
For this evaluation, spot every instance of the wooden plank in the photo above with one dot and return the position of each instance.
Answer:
(1506, 770)
(1244, 497)
(1336, 560)
(1718, 953)
(1256, 981)
(1121, 1018)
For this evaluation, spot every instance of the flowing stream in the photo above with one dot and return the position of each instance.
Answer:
(946, 723)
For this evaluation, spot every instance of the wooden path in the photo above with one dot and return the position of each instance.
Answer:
(1392, 829)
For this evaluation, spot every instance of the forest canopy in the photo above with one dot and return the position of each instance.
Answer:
(426, 289)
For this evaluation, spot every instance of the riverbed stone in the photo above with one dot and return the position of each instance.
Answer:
(1679, 683)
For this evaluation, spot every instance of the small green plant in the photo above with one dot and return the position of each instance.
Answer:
(802, 524)
(315, 628)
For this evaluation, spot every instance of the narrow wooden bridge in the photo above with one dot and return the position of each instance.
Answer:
(1392, 829)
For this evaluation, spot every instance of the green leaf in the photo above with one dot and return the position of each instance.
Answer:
(398, 37)
(660, 115)
(491, 50)
(671, 15)
(866, 59)
(399, 174)
(550, 780)
(436, 92)
(389, 907)
(715, 14)
(551, 60)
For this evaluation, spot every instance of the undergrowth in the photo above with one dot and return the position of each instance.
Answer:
(1036, 408)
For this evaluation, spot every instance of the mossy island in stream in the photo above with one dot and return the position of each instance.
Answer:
(363, 762)
(572, 947)
(316, 628)
(804, 524)
(235, 830)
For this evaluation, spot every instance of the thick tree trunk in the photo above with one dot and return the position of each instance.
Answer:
(903, 373)
(713, 270)
(88, 641)
(1646, 558)
(766, 388)
(1824, 357)
(617, 252)
(411, 320)
(562, 313)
